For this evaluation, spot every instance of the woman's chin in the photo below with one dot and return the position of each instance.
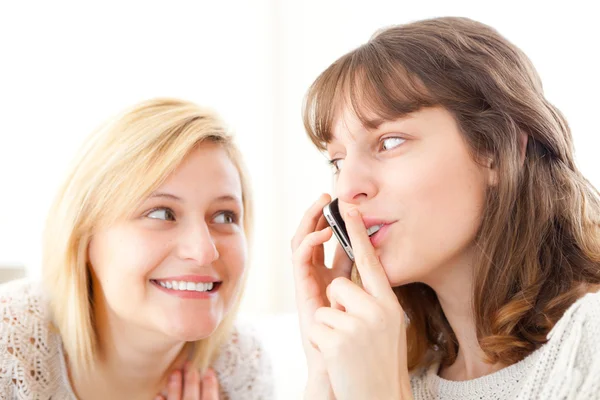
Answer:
(191, 330)
(399, 275)
(192, 334)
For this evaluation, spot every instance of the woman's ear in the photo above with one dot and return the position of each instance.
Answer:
(491, 166)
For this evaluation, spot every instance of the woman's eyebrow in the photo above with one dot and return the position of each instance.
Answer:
(229, 197)
(225, 197)
(165, 195)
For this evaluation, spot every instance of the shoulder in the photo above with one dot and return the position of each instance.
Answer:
(243, 366)
(581, 319)
(29, 348)
(572, 355)
(19, 288)
(420, 376)
(22, 305)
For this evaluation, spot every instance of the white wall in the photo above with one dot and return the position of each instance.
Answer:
(65, 67)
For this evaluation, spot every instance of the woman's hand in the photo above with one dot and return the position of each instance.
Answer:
(362, 339)
(312, 278)
(189, 385)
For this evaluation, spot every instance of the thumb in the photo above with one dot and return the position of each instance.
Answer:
(333, 303)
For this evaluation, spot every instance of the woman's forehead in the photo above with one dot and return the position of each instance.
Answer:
(348, 125)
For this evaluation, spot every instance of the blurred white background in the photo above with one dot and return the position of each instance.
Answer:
(67, 66)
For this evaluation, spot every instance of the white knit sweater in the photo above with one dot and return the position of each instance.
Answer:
(32, 363)
(566, 367)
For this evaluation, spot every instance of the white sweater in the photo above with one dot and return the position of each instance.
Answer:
(32, 363)
(566, 367)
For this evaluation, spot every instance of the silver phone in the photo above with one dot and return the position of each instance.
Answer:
(332, 214)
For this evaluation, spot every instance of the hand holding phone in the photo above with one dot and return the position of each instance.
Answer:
(312, 278)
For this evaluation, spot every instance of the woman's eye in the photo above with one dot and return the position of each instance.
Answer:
(391, 142)
(165, 214)
(337, 164)
(226, 217)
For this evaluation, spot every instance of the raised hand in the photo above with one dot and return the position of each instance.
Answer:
(189, 385)
(363, 339)
(312, 278)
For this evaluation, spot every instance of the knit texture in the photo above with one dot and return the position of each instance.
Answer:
(566, 367)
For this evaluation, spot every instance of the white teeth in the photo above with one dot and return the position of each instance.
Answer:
(190, 286)
(374, 229)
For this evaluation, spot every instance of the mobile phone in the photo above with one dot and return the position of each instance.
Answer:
(332, 214)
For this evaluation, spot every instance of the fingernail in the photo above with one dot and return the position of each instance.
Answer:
(353, 212)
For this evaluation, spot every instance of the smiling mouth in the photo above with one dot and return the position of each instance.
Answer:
(186, 286)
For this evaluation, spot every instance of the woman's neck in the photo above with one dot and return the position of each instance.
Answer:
(454, 289)
(132, 363)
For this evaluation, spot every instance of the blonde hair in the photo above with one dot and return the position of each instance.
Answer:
(118, 167)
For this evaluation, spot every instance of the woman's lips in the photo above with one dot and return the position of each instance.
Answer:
(380, 235)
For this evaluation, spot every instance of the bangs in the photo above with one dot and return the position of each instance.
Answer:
(371, 83)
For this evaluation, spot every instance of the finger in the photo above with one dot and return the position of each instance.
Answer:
(319, 251)
(333, 303)
(210, 385)
(371, 271)
(310, 220)
(336, 319)
(191, 383)
(159, 397)
(322, 222)
(353, 299)
(174, 386)
(303, 255)
(321, 336)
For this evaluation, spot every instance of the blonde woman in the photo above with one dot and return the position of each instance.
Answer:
(476, 238)
(145, 259)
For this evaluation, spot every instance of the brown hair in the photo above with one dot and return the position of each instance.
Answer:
(540, 233)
